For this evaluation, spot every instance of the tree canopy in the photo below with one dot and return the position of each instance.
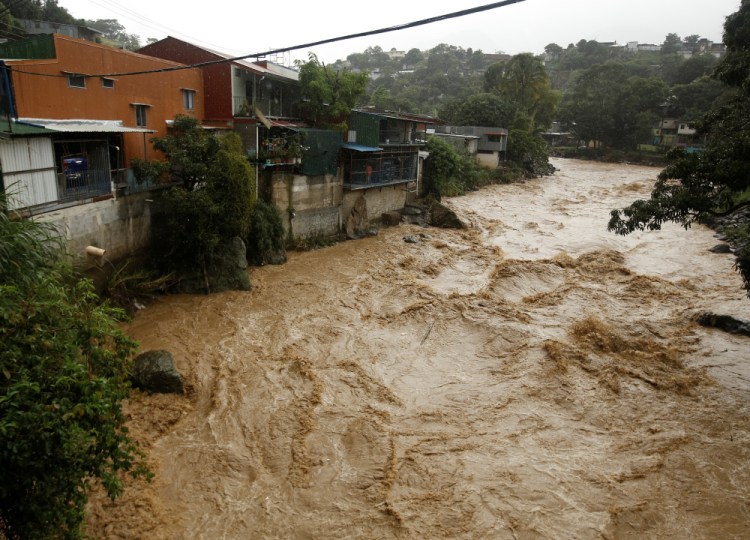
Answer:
(328, 94)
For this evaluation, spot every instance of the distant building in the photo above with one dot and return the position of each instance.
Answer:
(34, 27)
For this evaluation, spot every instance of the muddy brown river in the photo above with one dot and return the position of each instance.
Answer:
(533, 376)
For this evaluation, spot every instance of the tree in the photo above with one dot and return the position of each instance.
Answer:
(638, 109)
(672, 44)
(329, 95)
(212, 205)
(493, 76)
(694, 187)
(113, 31)
(553, 50)
(526, 83)
(695, 67)
(591, 107)
(488, 110)
(63, 373)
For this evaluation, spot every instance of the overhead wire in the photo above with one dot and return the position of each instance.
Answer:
(405, 26)
(145, 21)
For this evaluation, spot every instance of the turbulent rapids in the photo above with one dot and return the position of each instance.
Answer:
(533, 376)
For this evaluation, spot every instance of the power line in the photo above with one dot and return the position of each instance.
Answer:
(143, 20)
(405, 26)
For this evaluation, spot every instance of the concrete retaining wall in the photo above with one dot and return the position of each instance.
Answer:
(315, 202)
(379, 200)
(121, 226)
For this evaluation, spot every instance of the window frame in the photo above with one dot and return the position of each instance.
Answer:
(108, 80)
(76, 76)
(188, 98)
(141, 114)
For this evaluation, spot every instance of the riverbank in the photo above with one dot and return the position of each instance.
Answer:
(534, 375)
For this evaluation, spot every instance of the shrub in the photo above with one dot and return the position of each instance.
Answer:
(266, 232)
(63, 375)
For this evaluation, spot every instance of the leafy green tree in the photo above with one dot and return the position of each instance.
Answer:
(696, 98)
(482, 110)
(329, 95)
(115, 32)
(266, 235)
(639, 102)
(44, 10)
(190, 151)
(212, 205)
(694, 187)
(672, 44)
(413, 57)
(63, 375)
(526, 83)
(591, 107)
(694, 68)
(493, 77)
(445, 170)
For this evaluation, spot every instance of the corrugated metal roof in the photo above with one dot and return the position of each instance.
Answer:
(422, 119)
(361, 147)
(14, 129)
(82, 126)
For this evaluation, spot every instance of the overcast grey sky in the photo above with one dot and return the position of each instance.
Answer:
(240, 28)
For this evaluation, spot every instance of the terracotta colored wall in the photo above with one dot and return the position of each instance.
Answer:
(52, 97)
(217, 78)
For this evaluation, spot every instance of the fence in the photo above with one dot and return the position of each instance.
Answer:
(77, 185)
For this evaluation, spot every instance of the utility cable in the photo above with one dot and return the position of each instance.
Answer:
(413, 24)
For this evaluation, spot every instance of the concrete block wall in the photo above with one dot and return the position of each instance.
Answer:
(121, 226)
(379, 200)
(314, 201)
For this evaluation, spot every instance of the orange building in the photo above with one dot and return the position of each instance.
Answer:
(80, 91)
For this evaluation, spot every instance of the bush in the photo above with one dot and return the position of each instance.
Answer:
(266, 232)
(447, 172)
(63, 375)
(530, 152)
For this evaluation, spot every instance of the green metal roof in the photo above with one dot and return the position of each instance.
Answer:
(13, 129)
(39, 47)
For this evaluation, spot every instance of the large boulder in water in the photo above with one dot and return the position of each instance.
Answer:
(444, 217)
(358, 222)
(227, 271)
(724, 322)
(155, 372)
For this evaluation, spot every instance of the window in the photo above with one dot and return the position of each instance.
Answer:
(494, 137)
(140, 115)
(108, 83)
(188, 99)
(76, 80)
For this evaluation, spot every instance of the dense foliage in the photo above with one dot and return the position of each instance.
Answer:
(449, 172)
(266, 236)
(328, 95)
(63, 369)
(694, 187)
(212, 202)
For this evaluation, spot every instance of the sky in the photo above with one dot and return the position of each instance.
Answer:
(249, 27)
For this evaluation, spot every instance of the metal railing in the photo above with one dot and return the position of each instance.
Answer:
(385, 170)
(73, 186)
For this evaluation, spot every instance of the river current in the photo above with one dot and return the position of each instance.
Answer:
(532, 376)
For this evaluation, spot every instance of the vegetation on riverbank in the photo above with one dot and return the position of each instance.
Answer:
(63, 375)
(697, 186)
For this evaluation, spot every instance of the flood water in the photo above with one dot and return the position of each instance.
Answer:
(533, 376)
